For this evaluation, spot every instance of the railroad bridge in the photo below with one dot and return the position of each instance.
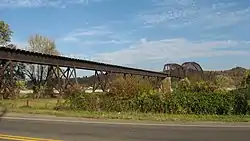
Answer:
(9, 57)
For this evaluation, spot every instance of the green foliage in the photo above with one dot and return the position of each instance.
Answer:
(200, 103)
(21, 84)
(121, 88)
(82, 101)
(203, 86)
(184, 85)
(176, 103)
(240, 102)
(136, 95)
(5, 33)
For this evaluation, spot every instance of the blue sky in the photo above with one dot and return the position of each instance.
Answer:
(138, 33)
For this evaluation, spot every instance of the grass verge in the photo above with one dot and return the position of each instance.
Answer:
(45, 107)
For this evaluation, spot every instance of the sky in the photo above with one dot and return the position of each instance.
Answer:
(138, 33)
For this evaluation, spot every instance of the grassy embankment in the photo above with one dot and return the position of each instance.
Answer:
(45, 107)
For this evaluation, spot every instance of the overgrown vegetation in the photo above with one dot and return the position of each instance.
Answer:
(130, 96)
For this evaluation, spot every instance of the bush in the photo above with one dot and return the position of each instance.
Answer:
(184, 85)
(240, 100)
(129, 87)
(82, 101)
(176, 103)
(136, 95)
(199, 103)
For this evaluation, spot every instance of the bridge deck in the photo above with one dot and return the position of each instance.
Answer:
(24, 56)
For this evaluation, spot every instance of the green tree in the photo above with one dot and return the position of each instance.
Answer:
(37, 73)
(5, 33)
(5, 38)
(21, 84)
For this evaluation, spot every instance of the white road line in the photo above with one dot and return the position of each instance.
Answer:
(132, 123)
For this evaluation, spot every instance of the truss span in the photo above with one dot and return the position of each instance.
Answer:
(18, 55)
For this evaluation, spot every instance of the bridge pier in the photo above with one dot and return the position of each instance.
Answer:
(7, 80)
(102, 80)
(60, 79)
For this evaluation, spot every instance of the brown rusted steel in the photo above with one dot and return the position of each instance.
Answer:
(192, 68)
(102, 81)
(182, 71)
(174, 70)
(7, 81)
(18, 55)
(61, 80)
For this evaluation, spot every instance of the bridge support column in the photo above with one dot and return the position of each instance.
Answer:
(61, 79)
(7, 80)
(101, 80)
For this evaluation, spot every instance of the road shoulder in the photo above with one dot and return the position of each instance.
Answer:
(49, 118)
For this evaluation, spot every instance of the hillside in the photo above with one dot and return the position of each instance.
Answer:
(236, 74)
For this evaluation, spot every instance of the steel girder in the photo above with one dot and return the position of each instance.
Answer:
(19, 55)
(102, 80)
(60, 80)
(7, 81)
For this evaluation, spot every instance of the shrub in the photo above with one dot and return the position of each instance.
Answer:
(240, 100)
(150, 103)
(184, 85)
(199, 103)
(129, 87)
(82, 101)
(176, 103)
(136, 95)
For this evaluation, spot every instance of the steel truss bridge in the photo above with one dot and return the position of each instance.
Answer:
(10, 56)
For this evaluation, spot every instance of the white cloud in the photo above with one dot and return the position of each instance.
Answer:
(95, 35)
(180, 13)
(172, 50)
(79, 34)
(167, 11)
(43, 3)
(220, 19)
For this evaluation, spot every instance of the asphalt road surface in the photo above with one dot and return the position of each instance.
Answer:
(70, 130)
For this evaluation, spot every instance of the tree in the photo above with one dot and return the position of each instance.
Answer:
(38, 73)
(5, 33)
(6, 83)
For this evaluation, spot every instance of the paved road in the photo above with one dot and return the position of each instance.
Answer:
(82, 131)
